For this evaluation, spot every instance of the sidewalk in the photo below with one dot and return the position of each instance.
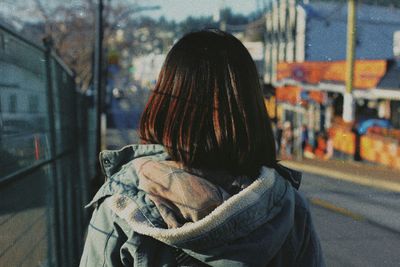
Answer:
(377, 176)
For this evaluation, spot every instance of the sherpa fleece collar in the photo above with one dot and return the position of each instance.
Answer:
(267, 202)
(236, 217)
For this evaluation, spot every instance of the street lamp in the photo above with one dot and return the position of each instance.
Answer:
(98, 64)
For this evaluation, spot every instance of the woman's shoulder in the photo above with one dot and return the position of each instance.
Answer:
(120, 175)
(121, 178)
(112, 161)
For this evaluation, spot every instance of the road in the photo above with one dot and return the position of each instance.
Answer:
(357, 225)
(123, 117)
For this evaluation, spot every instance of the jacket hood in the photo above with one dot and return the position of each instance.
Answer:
(201, 218)
(179, 196)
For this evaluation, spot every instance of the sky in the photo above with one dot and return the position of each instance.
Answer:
(176, 10)
(180, 9)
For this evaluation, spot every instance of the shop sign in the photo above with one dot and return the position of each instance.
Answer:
(308, 72)
(313, 96)
(289, 94)
(317, 96)
(367, 73)
(299, 73)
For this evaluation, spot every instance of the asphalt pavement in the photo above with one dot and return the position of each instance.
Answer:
(347, 242)
(358, 225)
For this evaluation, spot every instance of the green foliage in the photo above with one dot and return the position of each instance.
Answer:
(196, 23)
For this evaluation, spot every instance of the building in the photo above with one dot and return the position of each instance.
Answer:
(305, 61)
(298, 32)
(311, 94)
(147, 68)
(21, 86)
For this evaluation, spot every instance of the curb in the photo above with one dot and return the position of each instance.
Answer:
(355, 216)
(343, 176)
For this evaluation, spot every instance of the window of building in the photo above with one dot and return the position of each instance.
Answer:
(33, 103)
(12, 104)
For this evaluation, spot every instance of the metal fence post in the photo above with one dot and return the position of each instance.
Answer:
(79, 183)
(98, 69)
(48, 43)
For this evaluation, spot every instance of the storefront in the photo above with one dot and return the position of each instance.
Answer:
(380, 143)
(313, 93)
(306, 111)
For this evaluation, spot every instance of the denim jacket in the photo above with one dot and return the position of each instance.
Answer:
(268, 223)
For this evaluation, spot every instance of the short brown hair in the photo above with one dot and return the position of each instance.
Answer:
(207, 107)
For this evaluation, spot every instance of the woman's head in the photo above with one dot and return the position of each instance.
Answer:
(207, 107)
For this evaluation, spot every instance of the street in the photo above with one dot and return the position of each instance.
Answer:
(357, 225)
(215, 77)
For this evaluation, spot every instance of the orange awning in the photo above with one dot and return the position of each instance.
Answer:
(367, 73)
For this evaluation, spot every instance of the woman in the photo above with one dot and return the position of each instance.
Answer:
(205, 188)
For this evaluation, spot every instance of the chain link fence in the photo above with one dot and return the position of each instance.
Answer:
(47, 156)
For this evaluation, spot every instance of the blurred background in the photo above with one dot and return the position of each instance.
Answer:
(75, 76)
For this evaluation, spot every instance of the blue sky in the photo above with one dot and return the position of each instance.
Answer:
(180, 9)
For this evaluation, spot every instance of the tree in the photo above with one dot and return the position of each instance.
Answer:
(71, 27)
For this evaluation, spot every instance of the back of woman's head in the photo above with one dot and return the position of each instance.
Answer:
(207, 107)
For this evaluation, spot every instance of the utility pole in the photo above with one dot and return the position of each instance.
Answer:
(97, 76)
(348, 100)
(222, 16)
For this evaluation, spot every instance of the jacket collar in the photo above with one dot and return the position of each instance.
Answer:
(294, 177)
(111, 161)
(259, 203)
(268, 200)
